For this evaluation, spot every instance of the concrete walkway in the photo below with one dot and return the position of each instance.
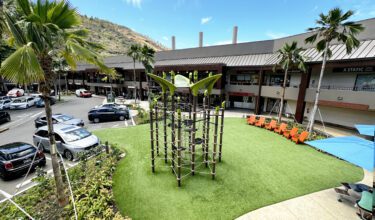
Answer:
(321, 205)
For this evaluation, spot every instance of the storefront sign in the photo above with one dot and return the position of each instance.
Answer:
(354, 69)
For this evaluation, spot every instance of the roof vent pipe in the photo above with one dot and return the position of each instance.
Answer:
(235, 30)
(173, 42)
(201, 39)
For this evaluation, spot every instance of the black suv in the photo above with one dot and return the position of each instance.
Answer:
(108, 114)
(4, 117)
(16, 158)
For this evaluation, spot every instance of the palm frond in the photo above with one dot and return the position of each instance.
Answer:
(311, 39)
(22, 67)
(16, 32)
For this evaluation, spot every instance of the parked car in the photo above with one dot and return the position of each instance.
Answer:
(4, 117)
(16, 158)
(15, 92)
(108, 114)
(22, 103)
(40, 102)
(112, 105)
(83, 93)
(5, 104)
(59, 118)
(2, 98)
(70, 140)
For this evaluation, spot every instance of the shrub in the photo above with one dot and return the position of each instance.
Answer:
(91, 182)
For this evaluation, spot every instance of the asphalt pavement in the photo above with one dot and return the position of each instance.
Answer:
(21, 129)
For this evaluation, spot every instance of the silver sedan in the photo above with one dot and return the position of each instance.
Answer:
(70, 140)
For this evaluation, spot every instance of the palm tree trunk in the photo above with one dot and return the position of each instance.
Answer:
(140, 87)
(66, 83)
(46, 90)
(313, 112)
(135, 83)
(2, 83)
(282, 96)
(59, 86)
(148, 88)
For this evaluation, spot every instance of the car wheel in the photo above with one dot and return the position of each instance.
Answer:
(27, 106)
(122, 118)
(96, 120)
(7, 119)
(68, 155)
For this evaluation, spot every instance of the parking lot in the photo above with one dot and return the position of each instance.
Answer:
(22, 128)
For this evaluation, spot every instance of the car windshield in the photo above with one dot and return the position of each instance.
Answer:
(76, 135)
(64, 117)
(19, 100)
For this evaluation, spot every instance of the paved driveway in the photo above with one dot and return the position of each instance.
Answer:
(21, 128)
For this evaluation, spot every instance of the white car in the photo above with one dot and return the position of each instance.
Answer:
(22, 103)
(5, 104)
(15, 92)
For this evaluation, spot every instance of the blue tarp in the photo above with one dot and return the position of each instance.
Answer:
(353, 149)
(368, 130)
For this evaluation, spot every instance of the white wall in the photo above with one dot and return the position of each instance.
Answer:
(291, 107)
(295, 79)
(342, 116)
(336, 79)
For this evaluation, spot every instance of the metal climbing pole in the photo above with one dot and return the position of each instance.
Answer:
(152, 140)
(157, 128)
(165, 127)
(179, 147)
(208, 119)
(215, 143)
(204, 131)
(222, 110)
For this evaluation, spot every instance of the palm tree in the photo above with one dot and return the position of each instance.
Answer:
(134, 51)
(332, 27)
(147, 59)
(290, 57)
(40, 31)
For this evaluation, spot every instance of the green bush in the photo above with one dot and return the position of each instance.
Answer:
(91, 182)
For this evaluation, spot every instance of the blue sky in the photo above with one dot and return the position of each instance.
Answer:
(256, 19)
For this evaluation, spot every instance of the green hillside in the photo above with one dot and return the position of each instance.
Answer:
(115, 38)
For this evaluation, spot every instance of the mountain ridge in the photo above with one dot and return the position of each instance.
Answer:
(114, 37)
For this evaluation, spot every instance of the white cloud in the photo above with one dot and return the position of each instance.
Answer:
(165, 38)
(206, 20)
(134, 3)
(275, 35)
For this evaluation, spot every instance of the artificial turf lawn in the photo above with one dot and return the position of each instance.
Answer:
(259, 168)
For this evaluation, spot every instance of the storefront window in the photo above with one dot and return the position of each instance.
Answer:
(244, 79)
(365, 82)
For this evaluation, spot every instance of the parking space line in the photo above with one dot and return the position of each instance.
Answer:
(126, 124)
(27, 182)
(33, 116)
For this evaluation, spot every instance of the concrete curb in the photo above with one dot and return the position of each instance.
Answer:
(3, 129)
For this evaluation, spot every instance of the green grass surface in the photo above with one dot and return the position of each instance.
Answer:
(259, 168)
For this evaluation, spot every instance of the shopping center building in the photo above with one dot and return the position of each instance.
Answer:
(249, 82)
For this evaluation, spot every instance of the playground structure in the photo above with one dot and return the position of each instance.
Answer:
(178, 125)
